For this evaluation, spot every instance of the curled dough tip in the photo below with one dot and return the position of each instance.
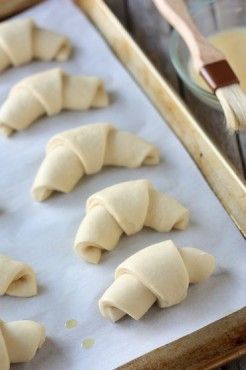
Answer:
(16, 278)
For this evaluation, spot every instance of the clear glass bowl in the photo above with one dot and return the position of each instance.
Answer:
(211, 16)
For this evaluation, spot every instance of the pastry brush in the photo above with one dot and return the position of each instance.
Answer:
(209, 62)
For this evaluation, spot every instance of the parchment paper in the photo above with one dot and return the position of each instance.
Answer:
(43, 234)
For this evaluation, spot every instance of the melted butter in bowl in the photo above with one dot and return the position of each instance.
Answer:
(232, 43)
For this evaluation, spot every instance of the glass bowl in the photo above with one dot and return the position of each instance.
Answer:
(211, 16)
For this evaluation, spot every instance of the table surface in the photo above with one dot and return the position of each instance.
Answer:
(151, 32)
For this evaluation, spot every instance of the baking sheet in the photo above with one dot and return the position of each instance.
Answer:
(43, 234)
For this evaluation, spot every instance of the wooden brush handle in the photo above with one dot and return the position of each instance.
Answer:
(176, 13)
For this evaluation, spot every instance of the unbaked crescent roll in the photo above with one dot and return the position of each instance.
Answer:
(125, 208)
(19, 341)
(21, 40)
(85, 150)
(48, 93)
(161, 273)
(16, 278)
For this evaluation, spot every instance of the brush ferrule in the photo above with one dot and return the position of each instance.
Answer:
(218, 74)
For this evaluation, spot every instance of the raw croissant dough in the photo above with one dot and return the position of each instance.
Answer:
(161, 273)
(85, 150)
(48, 93)
(21, 40)
(19, 341)
(126, 207)
(16, 278)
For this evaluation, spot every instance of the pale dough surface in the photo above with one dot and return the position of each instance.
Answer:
(16, 278)
(161, 273)
(48, 93)
(21, 40)
(85, 150)
(19, 341)
(125, 208)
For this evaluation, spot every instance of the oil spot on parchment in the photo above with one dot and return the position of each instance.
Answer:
(70, 324)
(88, 343)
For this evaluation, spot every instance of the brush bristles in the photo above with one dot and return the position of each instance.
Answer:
(233, 101)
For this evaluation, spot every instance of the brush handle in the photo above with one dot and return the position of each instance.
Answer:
(176, 13)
